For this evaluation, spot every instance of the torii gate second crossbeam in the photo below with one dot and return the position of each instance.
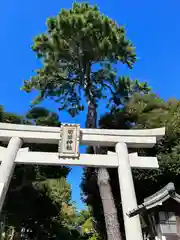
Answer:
(68, 138)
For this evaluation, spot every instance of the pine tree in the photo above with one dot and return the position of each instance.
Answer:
(78, 51)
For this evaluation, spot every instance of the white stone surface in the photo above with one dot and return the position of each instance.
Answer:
(103, 137)
(7, 166)
(69, 140)
(1, 188)
(4, 149)
(159, 132)
(44, 158)
(128, 197)
(140, 161)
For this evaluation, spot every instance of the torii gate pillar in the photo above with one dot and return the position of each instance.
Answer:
(7, 167)
(128, 197)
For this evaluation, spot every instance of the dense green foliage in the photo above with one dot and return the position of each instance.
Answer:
(150, 112)
(141, 111)
(77, 52)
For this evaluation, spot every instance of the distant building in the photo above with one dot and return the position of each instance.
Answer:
(161, 215)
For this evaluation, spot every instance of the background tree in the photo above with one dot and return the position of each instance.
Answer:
(141, 111)
(150, 111)
(79, 52)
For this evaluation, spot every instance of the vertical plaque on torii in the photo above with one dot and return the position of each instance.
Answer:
(69, 140)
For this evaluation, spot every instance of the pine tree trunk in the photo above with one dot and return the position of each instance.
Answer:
(110, 212)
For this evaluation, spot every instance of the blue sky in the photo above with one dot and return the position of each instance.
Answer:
(153, 27)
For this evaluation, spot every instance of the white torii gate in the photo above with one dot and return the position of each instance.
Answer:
(68, 138)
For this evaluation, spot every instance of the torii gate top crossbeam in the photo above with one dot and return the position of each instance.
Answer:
(102, 137)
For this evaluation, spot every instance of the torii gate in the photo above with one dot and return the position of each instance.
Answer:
(68, 137)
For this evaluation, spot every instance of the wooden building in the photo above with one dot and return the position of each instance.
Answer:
(160, 215)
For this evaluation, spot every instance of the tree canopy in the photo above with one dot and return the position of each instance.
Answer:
(78, 52)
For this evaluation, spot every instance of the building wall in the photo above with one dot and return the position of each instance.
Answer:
(164, 228)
